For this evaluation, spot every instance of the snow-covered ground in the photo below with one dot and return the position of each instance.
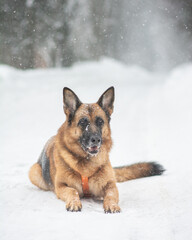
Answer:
(152, 121)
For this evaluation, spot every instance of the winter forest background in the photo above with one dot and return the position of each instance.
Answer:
(54, 33)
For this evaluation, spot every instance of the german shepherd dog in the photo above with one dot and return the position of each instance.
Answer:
(75, 162)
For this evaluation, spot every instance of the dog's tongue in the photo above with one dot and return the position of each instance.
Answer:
(93, 148)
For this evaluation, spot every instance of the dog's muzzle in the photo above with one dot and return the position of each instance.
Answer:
(92, 143)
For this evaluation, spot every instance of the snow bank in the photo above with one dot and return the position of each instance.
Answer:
(152, 121)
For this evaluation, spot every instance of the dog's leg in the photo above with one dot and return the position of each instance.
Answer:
(35, 175)
(70, 196)
(111, 198)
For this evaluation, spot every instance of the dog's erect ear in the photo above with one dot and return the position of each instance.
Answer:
(70, 102)
(106, 100)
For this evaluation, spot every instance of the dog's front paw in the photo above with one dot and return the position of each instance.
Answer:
(74, 205)
(111, 208)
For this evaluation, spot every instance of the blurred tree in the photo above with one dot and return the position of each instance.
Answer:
(38, 33)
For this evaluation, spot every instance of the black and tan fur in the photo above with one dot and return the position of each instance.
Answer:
(81, 148)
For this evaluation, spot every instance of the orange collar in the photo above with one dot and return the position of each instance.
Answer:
(85, 186)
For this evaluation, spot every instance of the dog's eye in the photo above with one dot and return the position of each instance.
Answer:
(83, 122)
(99, 121)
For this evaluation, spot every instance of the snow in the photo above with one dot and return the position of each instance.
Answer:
(152, 121)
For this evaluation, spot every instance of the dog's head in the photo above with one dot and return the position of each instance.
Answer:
(87, 125)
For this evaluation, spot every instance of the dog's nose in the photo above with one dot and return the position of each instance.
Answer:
(95, 140)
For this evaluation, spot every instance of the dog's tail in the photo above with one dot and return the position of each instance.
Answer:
(138, 170)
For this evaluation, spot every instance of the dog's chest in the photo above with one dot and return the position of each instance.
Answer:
(96, 187)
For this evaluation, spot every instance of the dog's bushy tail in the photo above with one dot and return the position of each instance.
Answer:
(138, 170)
